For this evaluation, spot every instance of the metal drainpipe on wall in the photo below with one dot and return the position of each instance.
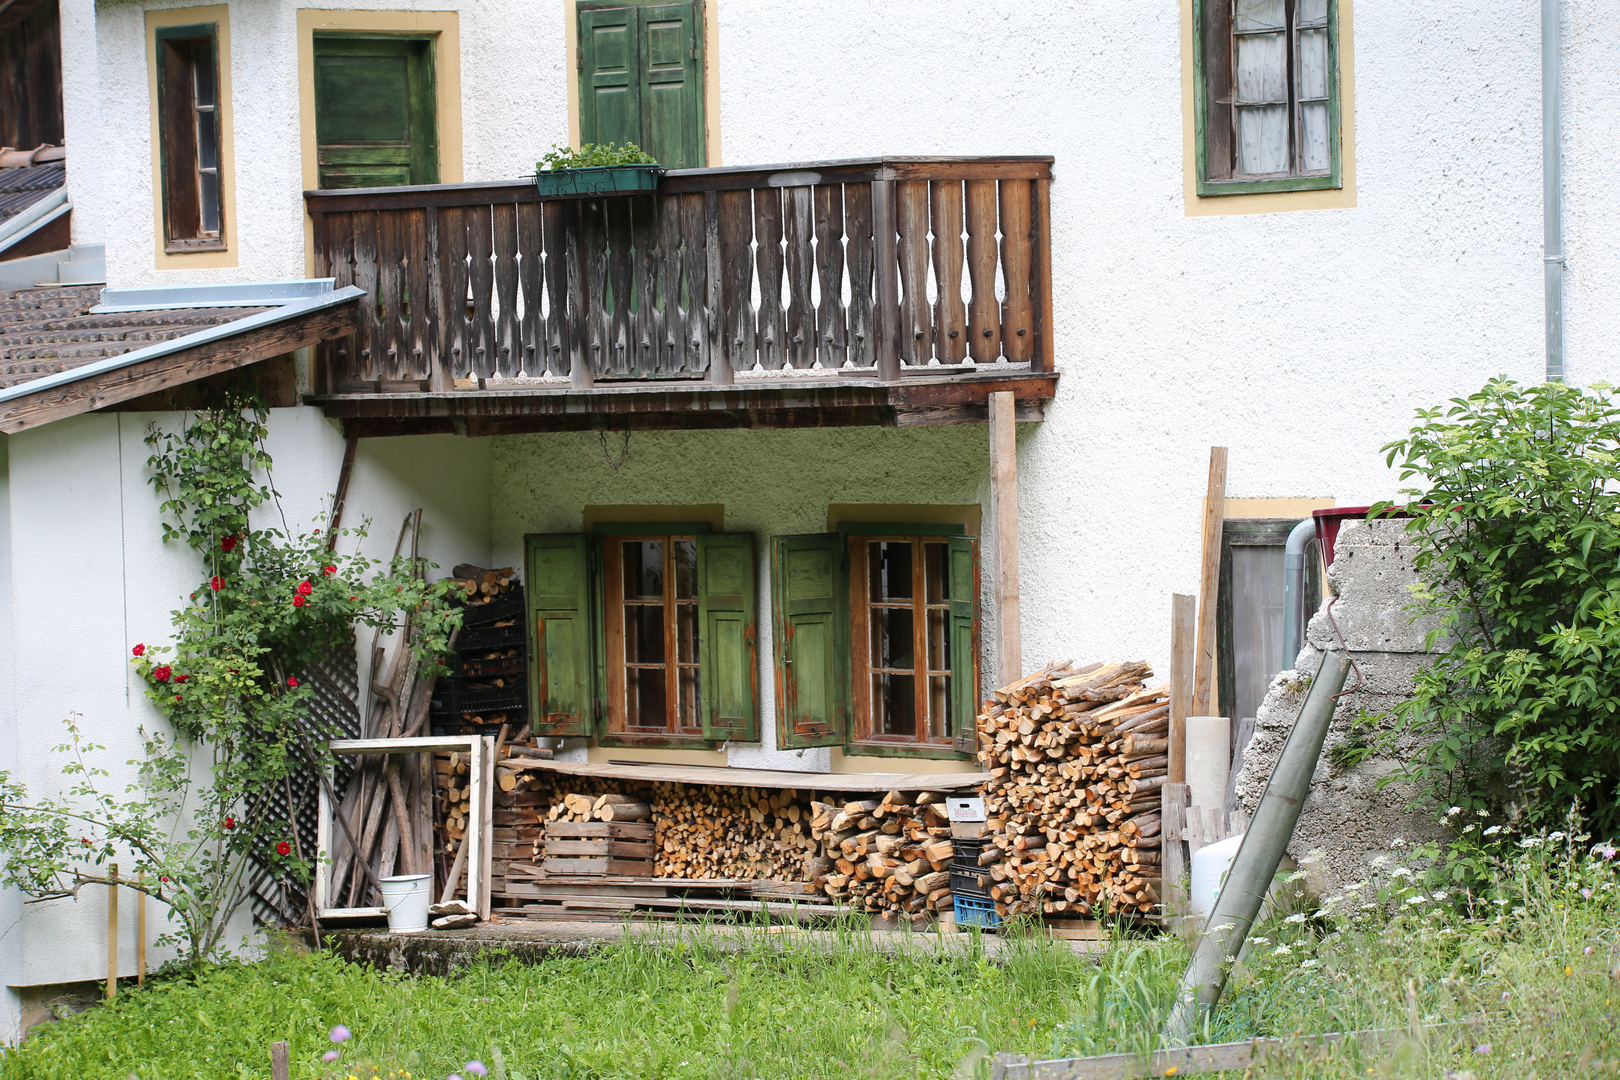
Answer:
(1294, 616)
(1552, 183)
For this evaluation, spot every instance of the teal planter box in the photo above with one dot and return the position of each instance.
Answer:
(612, 180)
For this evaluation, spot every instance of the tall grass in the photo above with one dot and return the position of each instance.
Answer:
(1532, 982)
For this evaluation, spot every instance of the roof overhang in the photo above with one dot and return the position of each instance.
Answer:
(211, 351)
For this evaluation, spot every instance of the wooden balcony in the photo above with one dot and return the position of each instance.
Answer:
(875, 291)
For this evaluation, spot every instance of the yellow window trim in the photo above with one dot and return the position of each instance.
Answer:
(445, 26)
(1271, 202)
(219, 15)
(711, 76)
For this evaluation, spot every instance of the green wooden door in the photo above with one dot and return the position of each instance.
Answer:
(812, 639)
(375, 111)
(641, 79)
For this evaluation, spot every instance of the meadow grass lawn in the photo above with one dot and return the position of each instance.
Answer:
(1532, 985)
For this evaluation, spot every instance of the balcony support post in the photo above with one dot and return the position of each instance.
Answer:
(1004, 519)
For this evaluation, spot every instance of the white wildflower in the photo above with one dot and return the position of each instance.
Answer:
(1492, 831)
(1470, 829)
(1260, 941)
(1531, 842)
(1379, 860)
(1295, 918)
(1454, 811)
(1312, 962)
(1400, 872)
(1397, 842)
(1499, 902)
(1282, 950)
(1440, 894)
(1482, 812)
(1555, 837)
(1297, 875)
(1357, 887)
(1415, 900)
(1330, 901)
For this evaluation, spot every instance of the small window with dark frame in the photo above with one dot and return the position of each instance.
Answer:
(189, 136)
(1268, 117)
(651, 599)
(902, 634)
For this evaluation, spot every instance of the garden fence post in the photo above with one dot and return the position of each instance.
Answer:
(279, 1068)
(112, 933)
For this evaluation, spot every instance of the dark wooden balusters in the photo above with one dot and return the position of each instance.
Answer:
(882, 266)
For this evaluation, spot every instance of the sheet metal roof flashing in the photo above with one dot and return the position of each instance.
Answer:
(231, 294)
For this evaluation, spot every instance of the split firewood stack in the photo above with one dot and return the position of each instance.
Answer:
(521, 796)
(488, 681)
(888, 856)
(1076, 757)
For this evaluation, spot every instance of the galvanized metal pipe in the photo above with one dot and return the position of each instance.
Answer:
(1255, 866)
(1293, 635)
(1552, 183)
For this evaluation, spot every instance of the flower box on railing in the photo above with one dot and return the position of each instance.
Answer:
(607, 180)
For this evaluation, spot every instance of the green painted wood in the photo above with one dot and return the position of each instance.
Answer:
(562, 698)
(728, 642)
(641, 79)
(964, 640)
(376, 119)
(811, 627)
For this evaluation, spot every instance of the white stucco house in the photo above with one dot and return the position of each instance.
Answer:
(890, 238)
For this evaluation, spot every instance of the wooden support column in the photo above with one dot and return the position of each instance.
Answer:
(1209, 584)
(1004, 518)
(1174, 795)
(112, 933)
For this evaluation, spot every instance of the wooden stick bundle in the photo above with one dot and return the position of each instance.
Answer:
(1076, 758)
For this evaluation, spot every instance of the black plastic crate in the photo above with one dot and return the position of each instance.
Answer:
(507, 667)
(965, 884)
(455, 697)
(443, 727)
(509, 606)
(968, 850)
(489, 638)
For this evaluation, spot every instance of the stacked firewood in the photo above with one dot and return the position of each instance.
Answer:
(1076, 757)
(487, 684)
(888, 856)
(737, 833)
(482, 586)
(519, 800)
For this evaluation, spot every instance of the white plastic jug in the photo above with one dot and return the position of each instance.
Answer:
(1209, 866)
(406, 896)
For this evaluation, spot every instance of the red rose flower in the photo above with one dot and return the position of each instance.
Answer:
(216, 583)
(177, 699)
(298, 601)
(228, 544)
(354, 598)
(293, 683)
(163, 878)
(305, 588)
(328, 570)
(284, 848)
(230, 822)
(181, 678)
(162, 672)
(139, 650)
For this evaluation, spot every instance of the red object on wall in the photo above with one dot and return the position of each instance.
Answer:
(1328, 522)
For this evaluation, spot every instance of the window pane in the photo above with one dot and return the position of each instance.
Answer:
(202, 61)
(1262, 68)
(939, 706)
(1257, 15)
(644, 634)
(686, 633)
(1263, 140)
(894, 702)
(889, 570)
(207, 140)
(1257, 618)
(1310, 11)
(937, 652)
(644, 703)
(209, 197)
(936, 579)
(643, 569)
(689, 698)
(892, 644)
(1315, 153)
(686, 569)
(1313, 53)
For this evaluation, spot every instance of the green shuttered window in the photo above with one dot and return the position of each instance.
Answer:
(641, 79)
(646, 637)
(876, 641)
(376, 122)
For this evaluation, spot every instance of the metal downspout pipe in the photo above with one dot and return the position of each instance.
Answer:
(1293, 635)
(1552, 184)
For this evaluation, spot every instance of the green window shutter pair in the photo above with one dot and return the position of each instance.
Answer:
(562, 686)
(811, 622)
(641, 80)
(376, 121)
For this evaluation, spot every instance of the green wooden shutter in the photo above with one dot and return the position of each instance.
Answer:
(609, 92)
(671, 85)
(641, 80)
(964, 578)
(561, 687)
(728, 636)
(812, 639)
(376, 121)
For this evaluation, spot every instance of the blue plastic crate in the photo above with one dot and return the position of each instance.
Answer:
(971, 912)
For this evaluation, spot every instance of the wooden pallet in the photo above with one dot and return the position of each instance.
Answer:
(596, 849)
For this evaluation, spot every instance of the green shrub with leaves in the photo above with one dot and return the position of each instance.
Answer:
(1516, 529)
(594, 156)
(235, 686)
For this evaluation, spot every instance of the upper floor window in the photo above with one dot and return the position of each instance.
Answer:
(641, 78)
(1268, 98)
(376, 110)
(189, 134)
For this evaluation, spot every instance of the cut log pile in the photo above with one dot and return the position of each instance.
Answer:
(488, 681)
(888, 856)
(1076, 758)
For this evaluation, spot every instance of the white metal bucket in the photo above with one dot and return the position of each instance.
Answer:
(406, 897)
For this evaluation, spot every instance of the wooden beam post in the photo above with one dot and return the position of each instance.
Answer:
(140, 931)
(1183, 631)
(112, 934)
(280, 1067)
(1209, 583)
(1004, 516)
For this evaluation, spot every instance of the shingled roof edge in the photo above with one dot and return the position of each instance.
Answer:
(202, 337)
